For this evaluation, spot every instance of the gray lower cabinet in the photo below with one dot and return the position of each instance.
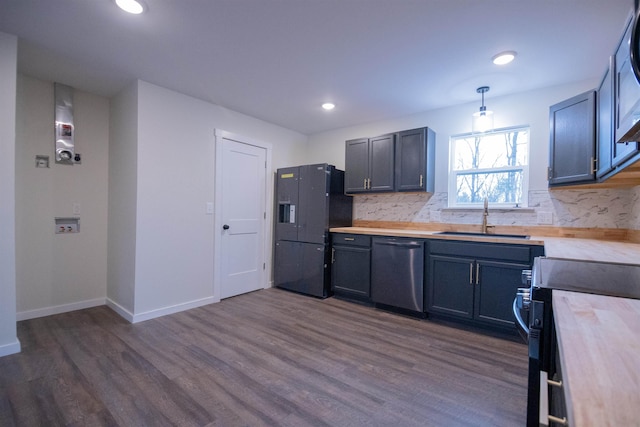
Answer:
(397, 272)
(476, 281)
(351, 265)
(450, 286)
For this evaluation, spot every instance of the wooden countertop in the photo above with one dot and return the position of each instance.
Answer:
(599, 345)
(428, 234)
(554, 247)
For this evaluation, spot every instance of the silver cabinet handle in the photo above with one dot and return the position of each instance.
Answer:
(333, 255)
(471, 273)
(421, 181)
(477, 273)
(365, 184)
(562, 421)
(349, 239)
(555, 383)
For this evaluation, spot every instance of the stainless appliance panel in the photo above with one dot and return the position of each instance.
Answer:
(397, 272)
(620, 280)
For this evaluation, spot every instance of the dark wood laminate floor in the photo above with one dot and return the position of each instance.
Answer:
(266, 358)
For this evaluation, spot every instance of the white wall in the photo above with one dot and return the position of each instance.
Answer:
(123, 181)
(60, 272)
(175, 179)
(8, 64)
(528, 108)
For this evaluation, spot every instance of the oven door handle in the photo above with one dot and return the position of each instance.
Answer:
(516, 314)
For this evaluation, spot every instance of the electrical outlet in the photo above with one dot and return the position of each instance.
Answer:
(434, 216)
(545, 218)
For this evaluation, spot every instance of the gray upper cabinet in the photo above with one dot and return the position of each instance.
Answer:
(401, 161)
(381, 154)
(356, 165)
(627, 94)
(369, 164)
(605, 123)
(572, 145)
(415, 160)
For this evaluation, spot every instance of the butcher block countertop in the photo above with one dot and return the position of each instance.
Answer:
(599, 346)
(554, 247)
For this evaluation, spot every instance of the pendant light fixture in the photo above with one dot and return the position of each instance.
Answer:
(483, 119)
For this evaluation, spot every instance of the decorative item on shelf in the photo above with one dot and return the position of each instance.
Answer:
(483, 119)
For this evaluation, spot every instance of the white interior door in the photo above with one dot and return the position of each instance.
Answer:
(241, 222)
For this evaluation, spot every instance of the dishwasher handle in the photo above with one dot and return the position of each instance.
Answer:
(409, 244)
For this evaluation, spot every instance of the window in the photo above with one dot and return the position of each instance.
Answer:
(494, 165)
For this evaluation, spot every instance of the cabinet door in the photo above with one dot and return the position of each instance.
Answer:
(356, 169)
(605, 140)
(627, 99)
(572, 140)
(450, 286)
(415, 163)
(411, 160)
(496, 287)
(382, 163)
(351, 270)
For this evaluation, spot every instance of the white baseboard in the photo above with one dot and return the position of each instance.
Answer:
(152, 314)
(126, 314)
(10, 348)
(123, 312)
(64, 308)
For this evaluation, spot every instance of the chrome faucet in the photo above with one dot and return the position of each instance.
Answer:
(485, 215)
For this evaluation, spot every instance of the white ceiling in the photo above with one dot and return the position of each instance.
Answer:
(278, 60)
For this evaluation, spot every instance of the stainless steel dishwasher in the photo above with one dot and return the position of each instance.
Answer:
(397, 272)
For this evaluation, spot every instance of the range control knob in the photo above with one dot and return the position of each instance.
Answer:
(523, 298)
(526, 277)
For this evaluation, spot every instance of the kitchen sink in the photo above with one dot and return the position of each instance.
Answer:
(471, 233)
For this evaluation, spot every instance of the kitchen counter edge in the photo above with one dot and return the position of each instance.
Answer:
(555, 247)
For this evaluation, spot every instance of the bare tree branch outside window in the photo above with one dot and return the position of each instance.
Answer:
(490, 165)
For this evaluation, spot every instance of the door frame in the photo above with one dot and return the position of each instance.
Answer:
(221, 135)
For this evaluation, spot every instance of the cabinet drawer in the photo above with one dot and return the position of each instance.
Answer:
(351, 239)
(504, 252)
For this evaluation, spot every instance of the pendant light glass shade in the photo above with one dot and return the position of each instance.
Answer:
(482, 121)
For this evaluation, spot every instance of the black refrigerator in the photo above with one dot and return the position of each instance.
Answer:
(309, 200)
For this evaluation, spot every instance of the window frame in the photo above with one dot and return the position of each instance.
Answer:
(452, 189)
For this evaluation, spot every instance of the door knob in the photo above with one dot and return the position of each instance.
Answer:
(225, 227)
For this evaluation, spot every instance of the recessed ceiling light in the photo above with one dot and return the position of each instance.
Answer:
(328, 106)
(504, 57)
(131, 6)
